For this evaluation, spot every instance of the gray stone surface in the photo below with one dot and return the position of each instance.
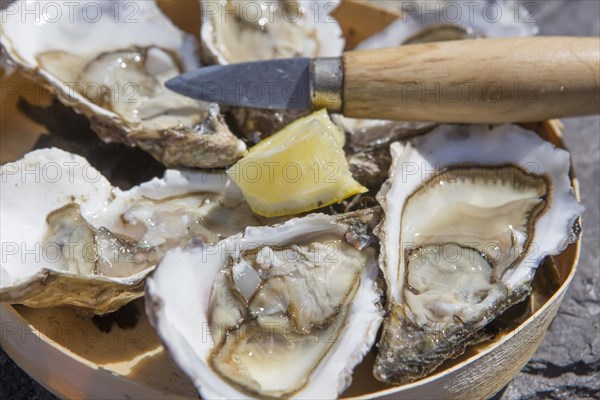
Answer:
(567, 365)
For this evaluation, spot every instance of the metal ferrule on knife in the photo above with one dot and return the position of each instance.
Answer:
(326, 83)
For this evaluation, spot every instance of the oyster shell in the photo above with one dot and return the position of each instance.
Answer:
(237, 31)
(70, 238)
(471, 211)
(423, 22)
(282, 311)
(112, 68)
(431, 20)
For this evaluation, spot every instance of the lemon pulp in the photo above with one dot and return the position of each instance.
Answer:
(301, 168)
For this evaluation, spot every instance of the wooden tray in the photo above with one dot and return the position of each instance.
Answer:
(120, 357)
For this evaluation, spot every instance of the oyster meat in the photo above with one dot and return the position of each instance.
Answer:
(237, 31)
(112, 69)
(470, 213)
(275, 312)
(70, 238)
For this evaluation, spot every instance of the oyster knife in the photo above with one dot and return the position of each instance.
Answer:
(466, 81)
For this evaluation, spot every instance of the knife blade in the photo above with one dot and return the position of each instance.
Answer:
(273, 84)
(466, 81)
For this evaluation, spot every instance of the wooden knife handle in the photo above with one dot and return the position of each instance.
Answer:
(475, 81)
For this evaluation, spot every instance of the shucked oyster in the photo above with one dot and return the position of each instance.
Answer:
(111, 65)
(70, 238)
(275, 312)
(470, 214)
(237, 31)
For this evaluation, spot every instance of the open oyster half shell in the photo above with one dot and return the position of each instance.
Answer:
(70, 238)
(275, 312)
(109, 61)
(238, 31)
(470, 213)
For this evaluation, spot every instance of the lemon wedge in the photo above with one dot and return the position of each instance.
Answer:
(301, 168)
